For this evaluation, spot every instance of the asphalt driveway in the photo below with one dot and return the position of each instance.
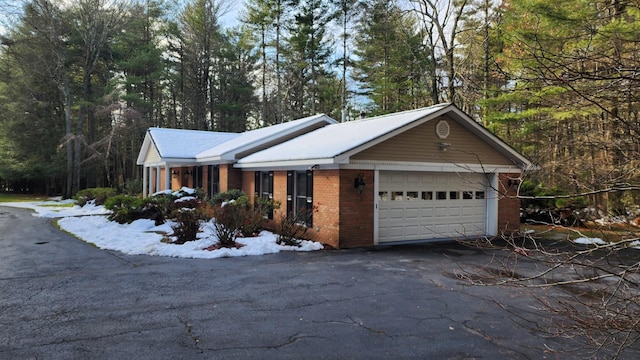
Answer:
(61, 298)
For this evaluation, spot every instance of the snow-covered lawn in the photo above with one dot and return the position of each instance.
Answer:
(90, 224)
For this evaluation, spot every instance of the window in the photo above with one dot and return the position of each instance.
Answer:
(479, 194)
(441, 195)
(300, 196)
(383, 196)
(427, 195)
(467, 195)
(197, 177)
(214, 180)
(454, 195)
(397, 196)
(412, 195)
(264, 188)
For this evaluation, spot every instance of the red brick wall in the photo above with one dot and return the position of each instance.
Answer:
(344, 217)
(326, 220)
(248, 186)
(356, 210)
(508, 204)
(279, 193)
(230, 178)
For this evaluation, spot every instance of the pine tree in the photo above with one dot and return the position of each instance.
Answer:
(390, 65)
(307, 53)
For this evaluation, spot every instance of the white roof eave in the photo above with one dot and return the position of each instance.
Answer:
(231, 154)
(286, 163)
(144, 149)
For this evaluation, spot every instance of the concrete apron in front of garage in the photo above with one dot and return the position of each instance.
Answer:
(63, 298)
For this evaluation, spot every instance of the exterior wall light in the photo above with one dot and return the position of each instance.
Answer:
(359, 183)
(444, 146)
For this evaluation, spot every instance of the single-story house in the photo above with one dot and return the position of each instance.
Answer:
(420, 175)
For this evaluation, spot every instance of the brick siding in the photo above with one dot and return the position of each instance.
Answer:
(356, 210)
(508, 205)
(326, 196)
(230, 178)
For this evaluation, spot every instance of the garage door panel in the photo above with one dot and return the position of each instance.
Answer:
(421, 205)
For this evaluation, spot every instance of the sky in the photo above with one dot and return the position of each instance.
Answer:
(9, 9)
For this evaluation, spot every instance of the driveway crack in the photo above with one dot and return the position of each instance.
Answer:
(192, 335)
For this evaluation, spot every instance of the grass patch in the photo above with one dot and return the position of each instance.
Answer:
(65, 205)
(11, 197)
(606, 233)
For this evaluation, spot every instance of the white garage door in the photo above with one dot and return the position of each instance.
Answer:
(423, 205)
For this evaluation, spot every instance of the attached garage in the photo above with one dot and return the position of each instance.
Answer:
(414, 205)
(419, 175)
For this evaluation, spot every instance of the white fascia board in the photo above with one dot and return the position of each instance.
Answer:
(431, 167)
(180, 162)
(210, 160)
(275, 165)
(232, 154)
(155, 164)
(144, 149)
(213, 162)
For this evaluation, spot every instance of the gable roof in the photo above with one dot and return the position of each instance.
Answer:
(179, 144)
(333, 144)
(256, 138)
(196, 146)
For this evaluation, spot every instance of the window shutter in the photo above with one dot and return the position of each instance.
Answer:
(256, 185)
(270, 191)
(290, 185)
(309, 205)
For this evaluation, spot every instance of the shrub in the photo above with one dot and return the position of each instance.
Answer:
(124, 208)
(255, 217)
(132, 187)
(99, 195)
(243, 218)
(188, 212)
(187, 224)
(159, 207)
(155, 208)
(290, 229)
(227, 196)
(229, 218)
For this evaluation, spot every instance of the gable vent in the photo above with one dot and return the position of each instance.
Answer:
(442, 129)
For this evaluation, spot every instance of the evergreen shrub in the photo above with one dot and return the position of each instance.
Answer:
(98, 195)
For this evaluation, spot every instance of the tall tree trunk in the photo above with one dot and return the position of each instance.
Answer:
(263, 45)
(485, 65)
(344, 63)
(66, 93)
(279, 82)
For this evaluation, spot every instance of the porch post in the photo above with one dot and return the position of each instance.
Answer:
(158, 183)
(167, 177)
(145, 180)
(150, 176)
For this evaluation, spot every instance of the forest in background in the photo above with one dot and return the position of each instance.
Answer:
(82, 80)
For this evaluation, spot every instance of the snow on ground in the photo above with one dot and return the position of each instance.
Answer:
(59, 208)
(90, 224)
(590, 241)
